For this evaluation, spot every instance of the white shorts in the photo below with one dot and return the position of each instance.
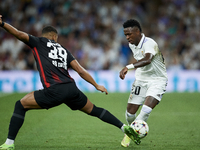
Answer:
(142, 89)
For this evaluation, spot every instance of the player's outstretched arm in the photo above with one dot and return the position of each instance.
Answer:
(86, 76)
(22, 36)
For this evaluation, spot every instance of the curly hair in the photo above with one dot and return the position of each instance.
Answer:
(48, 29)
(132, 23)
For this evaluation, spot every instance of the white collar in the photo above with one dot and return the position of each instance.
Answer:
(141, 42)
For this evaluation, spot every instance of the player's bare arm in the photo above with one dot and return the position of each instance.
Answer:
(22, 36)
(86, 76)
(144, 61)
(141, 63)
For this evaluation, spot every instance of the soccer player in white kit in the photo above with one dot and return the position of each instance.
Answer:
(150, 75)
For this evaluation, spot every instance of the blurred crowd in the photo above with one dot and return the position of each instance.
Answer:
(92, 30)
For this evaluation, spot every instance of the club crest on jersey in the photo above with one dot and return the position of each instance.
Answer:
(142, 53)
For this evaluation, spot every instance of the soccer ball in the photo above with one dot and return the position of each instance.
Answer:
(141, 127)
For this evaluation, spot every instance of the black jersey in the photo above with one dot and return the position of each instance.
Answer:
(52, 60)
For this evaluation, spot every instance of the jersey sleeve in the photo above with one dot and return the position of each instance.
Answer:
(150, 47)
(32, 41)
(70, 57)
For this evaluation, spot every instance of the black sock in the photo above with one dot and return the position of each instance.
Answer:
(17, 120)
(106, 116)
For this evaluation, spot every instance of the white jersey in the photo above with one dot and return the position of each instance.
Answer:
(156, 69)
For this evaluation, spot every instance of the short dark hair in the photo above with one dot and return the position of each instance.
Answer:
(48, 29)
(132, 23)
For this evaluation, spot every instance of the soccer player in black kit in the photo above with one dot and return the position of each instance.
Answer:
(53, 62)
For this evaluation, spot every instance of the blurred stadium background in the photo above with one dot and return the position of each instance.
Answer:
(92, 30)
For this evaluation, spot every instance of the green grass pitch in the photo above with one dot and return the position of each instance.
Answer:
(174, 125)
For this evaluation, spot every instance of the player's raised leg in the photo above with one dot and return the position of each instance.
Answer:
(106, 116)
(21, 107)
(102, 114)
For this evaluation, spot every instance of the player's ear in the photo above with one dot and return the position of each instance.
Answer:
(55, 37)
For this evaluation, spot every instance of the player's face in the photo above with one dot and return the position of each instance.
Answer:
(133, 35)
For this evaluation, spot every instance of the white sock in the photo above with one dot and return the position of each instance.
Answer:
(144, 113)
(129, 117)
(122, 128)
(9, 141)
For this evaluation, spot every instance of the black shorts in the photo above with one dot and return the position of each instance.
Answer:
(55, 95)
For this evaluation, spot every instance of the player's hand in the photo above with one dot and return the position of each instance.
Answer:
(0, 19)
(123, 72)
(102, 89)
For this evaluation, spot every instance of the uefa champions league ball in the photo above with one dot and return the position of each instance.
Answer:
(141, 127)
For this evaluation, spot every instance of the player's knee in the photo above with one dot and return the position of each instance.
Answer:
(19, 109)
(88, 107)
